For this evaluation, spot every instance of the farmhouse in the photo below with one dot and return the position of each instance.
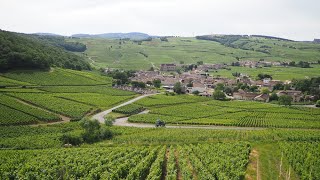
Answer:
(242, 95)
(262, 98)
(168, 67)
(297, 96)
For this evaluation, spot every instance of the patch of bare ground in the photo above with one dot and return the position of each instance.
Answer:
(176, 155)
(253, 166)
(164, 166)
(194, 174)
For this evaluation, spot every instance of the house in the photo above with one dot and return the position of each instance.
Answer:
(242, 95)
(168, 67)
(197, 86)
(297, 96)
(262, 98)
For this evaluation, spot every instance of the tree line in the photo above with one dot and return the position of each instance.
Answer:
(21, 51)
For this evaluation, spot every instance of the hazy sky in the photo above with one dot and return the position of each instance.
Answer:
(294, 19)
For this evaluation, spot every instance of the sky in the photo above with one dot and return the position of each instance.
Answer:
(293, 19)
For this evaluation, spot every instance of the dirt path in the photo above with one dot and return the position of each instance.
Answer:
(253, 171)
(64, 119)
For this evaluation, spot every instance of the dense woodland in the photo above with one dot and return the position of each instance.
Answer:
(21, 51)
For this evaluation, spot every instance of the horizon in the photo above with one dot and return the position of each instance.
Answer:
(290, 19)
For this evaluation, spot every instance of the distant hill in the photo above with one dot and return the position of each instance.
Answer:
(23, 51)
(316, 40)
(46, 34)
(131, 35)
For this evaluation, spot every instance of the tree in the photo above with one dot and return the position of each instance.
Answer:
(200, 63)
(285, 100)
(196, 92)
(265, 91)
(228, 90)
(219, 87)
(263, 76)
(219, 95)
(278, 86)
(273, 97)
(157, 83)
(178, 88)
(93, 131)
(137, 84)
(253, 88)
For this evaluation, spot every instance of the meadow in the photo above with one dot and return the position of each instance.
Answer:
(126, 54)
(278, 73)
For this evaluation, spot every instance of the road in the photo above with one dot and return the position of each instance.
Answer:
(100, 116)
(124, 121)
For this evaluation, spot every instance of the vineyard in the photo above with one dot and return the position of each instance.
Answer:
(57, 77)
(304, 158)
(226, 113)
(30, 97)
(129, 109)
(228, 161)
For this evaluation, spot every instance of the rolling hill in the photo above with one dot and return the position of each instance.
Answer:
(22, 51)
(131, 35)
(126, 54)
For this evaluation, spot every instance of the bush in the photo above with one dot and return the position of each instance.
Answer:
(71, 139)
(285, 100)
(109, 121)
(219, 95)
(93, 131)
(318, 103)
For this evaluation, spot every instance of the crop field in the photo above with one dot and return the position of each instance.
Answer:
(30, 97)
(278, 73)
(129, 55)
(57, 77)
(129, 109)
(155, 153)
(228, 113)
(228, 161)
(86, 89)
(303, 158)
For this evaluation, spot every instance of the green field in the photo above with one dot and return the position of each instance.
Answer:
(130, 55)
(278, 73)
(286, 144)
(226, 113)
(159, 152)
(30, 97)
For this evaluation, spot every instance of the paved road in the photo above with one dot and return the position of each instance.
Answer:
(100, 116)
(124, 121)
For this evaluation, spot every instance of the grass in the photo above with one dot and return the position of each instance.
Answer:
(278, 73)
(270, 160)
(130, 55)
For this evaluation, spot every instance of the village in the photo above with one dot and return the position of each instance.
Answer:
(198, 81)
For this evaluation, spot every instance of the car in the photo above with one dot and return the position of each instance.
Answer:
(160, 123)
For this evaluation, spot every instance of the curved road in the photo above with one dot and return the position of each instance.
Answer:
(100, 116)
(124, 121)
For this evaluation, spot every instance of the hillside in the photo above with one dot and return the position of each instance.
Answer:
(131, 35)
(128, 54)
(31, 97)
(21, 51)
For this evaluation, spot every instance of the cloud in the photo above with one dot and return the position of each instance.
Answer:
(286, 18)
